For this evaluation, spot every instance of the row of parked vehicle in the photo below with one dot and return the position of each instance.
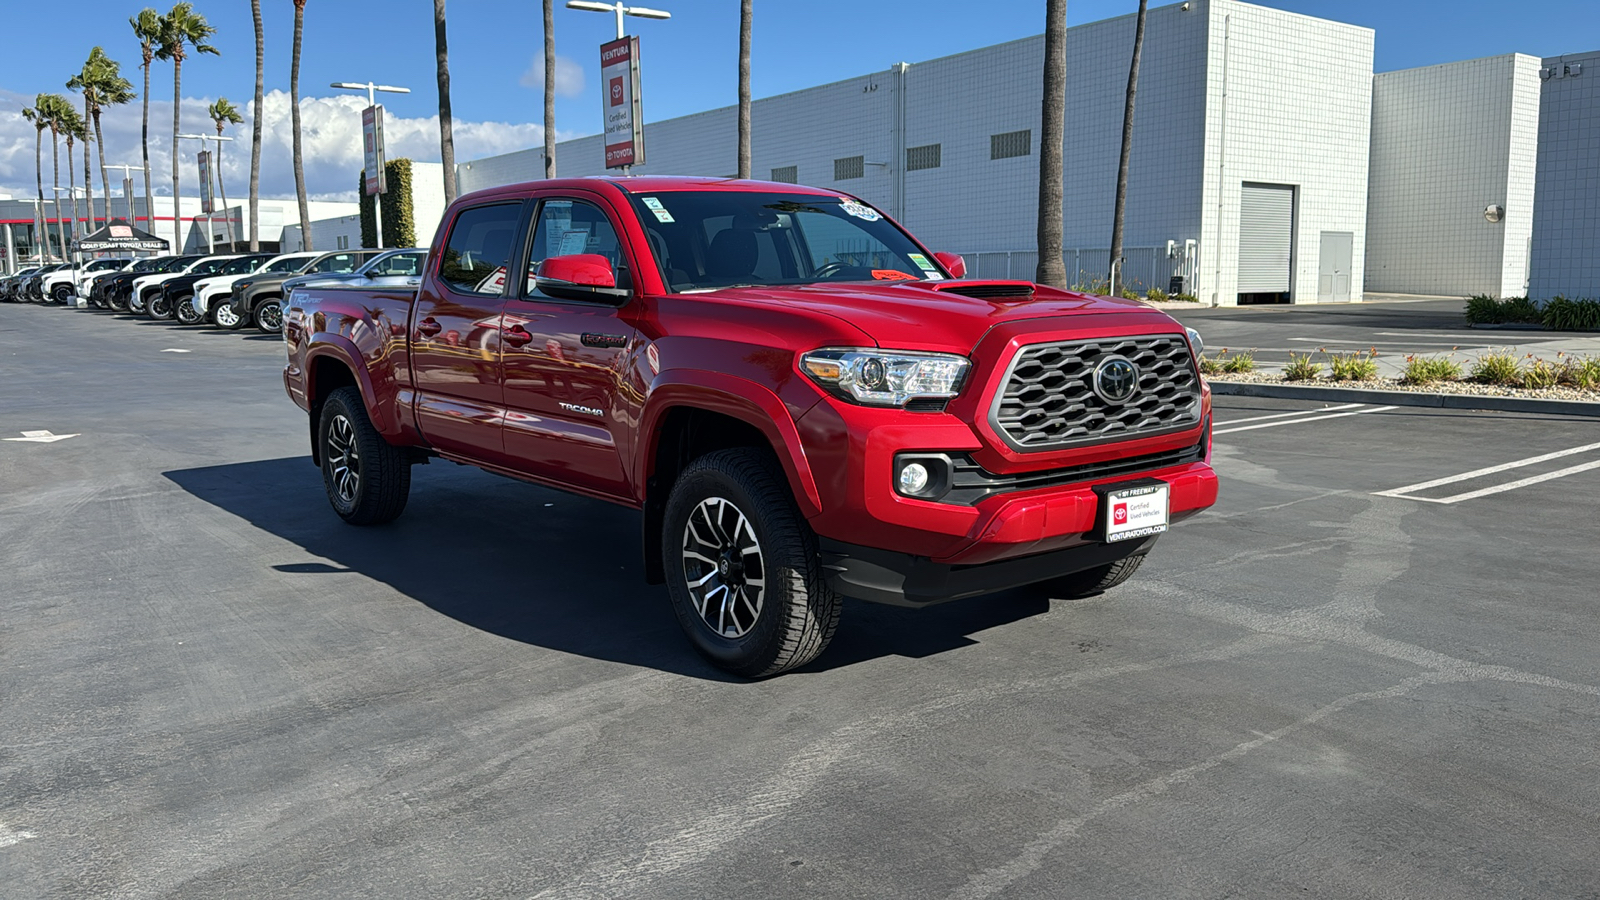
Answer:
(230, 291)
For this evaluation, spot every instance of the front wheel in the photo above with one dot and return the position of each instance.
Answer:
(227, 316)
(136, 303)
(186, 313)
(367, 478)
(742, 567)
(269, 316)
(1092, 581)
(61, 293)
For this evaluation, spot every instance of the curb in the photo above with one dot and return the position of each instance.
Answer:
(1406, 398)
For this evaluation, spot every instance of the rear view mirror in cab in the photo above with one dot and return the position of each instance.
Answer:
(581, 276)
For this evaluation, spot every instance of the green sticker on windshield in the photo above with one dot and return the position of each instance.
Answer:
(922, 263)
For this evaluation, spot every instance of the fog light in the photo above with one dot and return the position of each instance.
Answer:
(913, 478)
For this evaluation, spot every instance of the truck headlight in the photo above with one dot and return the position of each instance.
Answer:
(1194, 341)
(885, 377)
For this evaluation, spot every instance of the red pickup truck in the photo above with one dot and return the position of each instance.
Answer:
(803, 401)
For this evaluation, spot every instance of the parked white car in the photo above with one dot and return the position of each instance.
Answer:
(211, 294)
(144, 286)
(62, 285)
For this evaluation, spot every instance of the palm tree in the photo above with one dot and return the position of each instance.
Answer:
(147, 28)
(38, 114)
(744, 88)
(294, 110)
(73, 84)
(1052, 269)
(103, 85)
(549, 89)
(1127, 150)
(255, 130)
(223, 114)
(73, 126)
(447, 141)
(55, 108)
(181, 28)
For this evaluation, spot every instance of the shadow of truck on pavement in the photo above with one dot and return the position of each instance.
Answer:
(541, 567)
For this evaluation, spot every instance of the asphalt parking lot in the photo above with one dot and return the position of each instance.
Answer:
(1369, 671)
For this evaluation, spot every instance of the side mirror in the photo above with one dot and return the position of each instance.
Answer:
(584, 277)
(955, 265)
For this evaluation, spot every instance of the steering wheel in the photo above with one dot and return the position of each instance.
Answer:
(827, 269)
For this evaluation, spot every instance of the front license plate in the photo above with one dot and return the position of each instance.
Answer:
(1135, 512)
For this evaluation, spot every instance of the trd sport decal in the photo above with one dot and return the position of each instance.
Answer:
(592, 339)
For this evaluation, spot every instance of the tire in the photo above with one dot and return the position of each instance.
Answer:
(224, 316)
(116, 302)
(1092, 581)
(268, 316)
(367, 478)
(186, 314)
(136, 303)
(728, 510)
(61, 293)
(159, 306)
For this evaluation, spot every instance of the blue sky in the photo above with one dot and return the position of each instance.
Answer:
(689, 61)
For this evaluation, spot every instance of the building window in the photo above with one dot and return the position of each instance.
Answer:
(922, 157)
(787, 175)
(849, 167)
(1012, 143)
(344, 242)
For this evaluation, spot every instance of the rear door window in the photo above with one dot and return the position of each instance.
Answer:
(479, 247)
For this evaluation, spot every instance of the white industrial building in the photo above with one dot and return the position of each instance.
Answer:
(1450, 195)
(1566, 210)
(1248, 175)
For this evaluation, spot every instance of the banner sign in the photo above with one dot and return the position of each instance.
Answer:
(624, 113)
(205, 182)
(372, 142)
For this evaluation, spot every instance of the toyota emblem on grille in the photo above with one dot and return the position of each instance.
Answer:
(1116, 379)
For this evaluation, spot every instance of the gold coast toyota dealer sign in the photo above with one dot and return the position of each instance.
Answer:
(619, 81)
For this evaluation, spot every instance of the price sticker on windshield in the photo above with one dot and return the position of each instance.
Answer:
(1134, 512)
(655, 206)
(859, 210)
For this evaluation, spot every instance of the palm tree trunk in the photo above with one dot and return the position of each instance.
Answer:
(55, 160)
(744, 88)
(227, 217)
(72, 183)
(549, 89)
(447, 141)
(1052, 269)
(294, 108)
(144, 140)
(1127, 150)
(41, 238)
(177, 196)
(255, 131)
(88, 164)
(100, 147)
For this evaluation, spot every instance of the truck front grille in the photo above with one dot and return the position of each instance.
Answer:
(1049, 400)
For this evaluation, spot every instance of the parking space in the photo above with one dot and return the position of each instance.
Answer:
(1325, 686)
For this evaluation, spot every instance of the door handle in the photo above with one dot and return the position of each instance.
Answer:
(429, 328)
(516, 336)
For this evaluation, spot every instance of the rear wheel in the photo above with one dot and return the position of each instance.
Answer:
(367, 478)
(1092, 581)
(742, 567)
(186, 313)
(269, 316)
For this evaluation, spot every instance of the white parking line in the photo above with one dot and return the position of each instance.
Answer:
(1370, 343)
(1404, 492)
(1354, 412)
(1298, 412)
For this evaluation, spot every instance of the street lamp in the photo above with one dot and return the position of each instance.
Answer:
(372, 101)
(127, 194)
(227, 219)
(72, 197)
(619, 10)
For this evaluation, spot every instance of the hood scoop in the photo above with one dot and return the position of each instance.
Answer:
(986, 290)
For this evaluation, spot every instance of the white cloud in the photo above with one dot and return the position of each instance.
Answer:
(569, 76)
(330, 132)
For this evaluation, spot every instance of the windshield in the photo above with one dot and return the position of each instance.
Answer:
(177, 264)
(285, 264)
(709, 239)
(209, 267)
(241, 266)
(149, 265)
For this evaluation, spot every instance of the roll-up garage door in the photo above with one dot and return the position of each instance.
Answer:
(1266, 229)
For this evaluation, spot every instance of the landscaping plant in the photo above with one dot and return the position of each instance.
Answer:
(1240, 364)
(1155, 295)
(1429, 369)
(1583, 373)
(1561, 314)
(1301, 368)
(1353, 366)
(1539, 374)
(1497, 368)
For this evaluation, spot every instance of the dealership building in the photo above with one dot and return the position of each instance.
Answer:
(1269, 164)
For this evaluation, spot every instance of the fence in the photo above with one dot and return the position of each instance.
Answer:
(1143, 267)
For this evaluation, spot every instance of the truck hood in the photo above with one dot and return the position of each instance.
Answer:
(951, 316)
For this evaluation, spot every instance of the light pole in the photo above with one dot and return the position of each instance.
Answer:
(372, 101)
(210, 216)
(620, 10)
(127, 192)
(72, 194)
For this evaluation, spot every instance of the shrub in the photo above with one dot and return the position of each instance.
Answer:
(1129, 293)
(1483, 309)
(1185, 298)
(1240, 364)
(1523, 311)
(1155, 295)
(1353, 366)
(1428, 369)
(1210, 365)
(1301, 368)
(1497, 368)
(1561, 314)
(1540, 373)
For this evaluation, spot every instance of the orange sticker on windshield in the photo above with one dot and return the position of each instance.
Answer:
(892, 275)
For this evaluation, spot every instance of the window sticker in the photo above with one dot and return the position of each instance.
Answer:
(655, 206)
(922, 263)
(575, 241)
(557, 222)
(860, 211)
(892, 275)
